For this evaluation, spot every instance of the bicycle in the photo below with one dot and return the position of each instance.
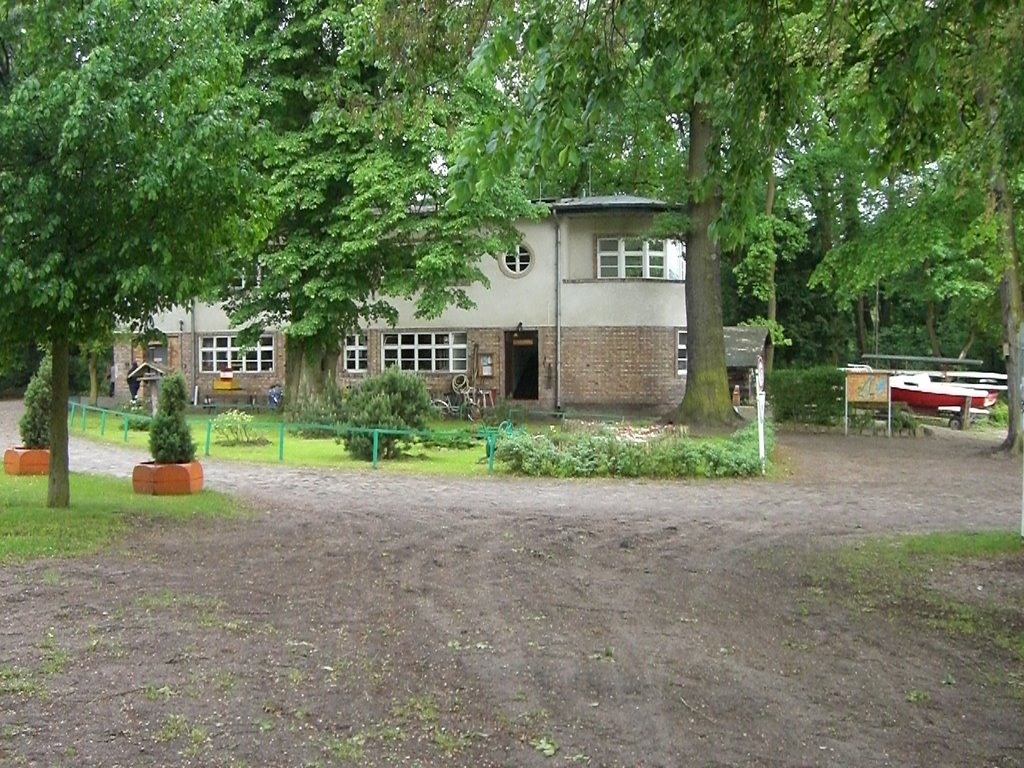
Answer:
(461, 403)
(462, 407)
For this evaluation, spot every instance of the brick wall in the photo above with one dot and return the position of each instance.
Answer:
(489, 341)
(180, 349)
(611, 367)
(620, 367)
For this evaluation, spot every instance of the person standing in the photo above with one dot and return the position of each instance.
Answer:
(112, 375)
(133, 384)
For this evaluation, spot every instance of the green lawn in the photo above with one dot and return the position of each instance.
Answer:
(276, 445)
(101, 509)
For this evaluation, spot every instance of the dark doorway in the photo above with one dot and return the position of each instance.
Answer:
(521, 366)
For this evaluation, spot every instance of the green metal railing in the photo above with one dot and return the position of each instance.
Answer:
(79, 413)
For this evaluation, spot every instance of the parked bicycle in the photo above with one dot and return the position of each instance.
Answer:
(461, 403)
(456, 406)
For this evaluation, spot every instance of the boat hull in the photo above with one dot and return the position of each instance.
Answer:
(922, 394)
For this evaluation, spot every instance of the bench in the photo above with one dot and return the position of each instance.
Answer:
(230, 399)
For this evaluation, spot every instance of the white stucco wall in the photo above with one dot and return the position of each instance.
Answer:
(209, 317)
(530, 299)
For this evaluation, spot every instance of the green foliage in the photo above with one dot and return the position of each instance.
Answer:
(351, 155)
(35, 422)
(170, 439)
(904, 420)
(807, 395)
(78, 374)
(999, 414)
(138, 415)
(17, 364)
(391, 400)
(236, 428)
(664, 69)
(449, 439)
(319, 415)
(603, 454)
(163, 197)
(931, 242)
(772, 242)
(123, 186)
(502, 410)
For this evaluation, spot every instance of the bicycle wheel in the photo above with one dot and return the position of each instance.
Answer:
(472, 411)
(443, 407)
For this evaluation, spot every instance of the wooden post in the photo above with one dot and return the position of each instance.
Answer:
(966, 421)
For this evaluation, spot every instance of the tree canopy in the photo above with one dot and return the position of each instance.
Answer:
(357, 155)
(123, 183)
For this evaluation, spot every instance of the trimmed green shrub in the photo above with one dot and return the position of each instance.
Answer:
(449, 438)
(807, 395)
(602, 454)
(35, 422)
(391, 400)
(170, 439)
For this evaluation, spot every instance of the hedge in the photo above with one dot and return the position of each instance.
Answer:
(807, 395)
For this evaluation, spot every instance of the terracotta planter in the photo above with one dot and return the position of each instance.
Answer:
(27, 461)
(167, 479)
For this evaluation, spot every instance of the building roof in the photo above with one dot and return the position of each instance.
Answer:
(607, 203)
(743, 345)
(146, 370)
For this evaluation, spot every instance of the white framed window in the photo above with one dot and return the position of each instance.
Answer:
(222, 353)
(681, 356)
(250, 278)
(518, 263)
(425, 350)
(356, 358)
(637, 258)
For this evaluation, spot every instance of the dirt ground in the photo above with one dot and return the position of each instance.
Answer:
(373, 620)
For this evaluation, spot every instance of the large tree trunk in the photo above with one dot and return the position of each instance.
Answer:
(58, 491)
(1013, 314)
(310, 367)
(707, 400)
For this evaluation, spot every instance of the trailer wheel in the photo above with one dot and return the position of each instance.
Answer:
(955, 422)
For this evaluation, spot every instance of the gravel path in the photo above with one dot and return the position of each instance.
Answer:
(828, 484)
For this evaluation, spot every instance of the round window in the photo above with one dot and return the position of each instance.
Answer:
(518, 263)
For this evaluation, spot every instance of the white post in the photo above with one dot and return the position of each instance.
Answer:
(846, 405)
(1020, 395)
(760, 412)
(1020, 389)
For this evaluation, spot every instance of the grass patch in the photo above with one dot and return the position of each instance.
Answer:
(15, 681)
(895, 577)
(457, 449)
(102, 509)
(963, 545)
(265, 431)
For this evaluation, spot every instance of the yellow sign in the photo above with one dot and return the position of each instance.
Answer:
(867, 386)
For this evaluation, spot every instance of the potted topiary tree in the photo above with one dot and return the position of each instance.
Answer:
(33, 456)
(174, 469)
